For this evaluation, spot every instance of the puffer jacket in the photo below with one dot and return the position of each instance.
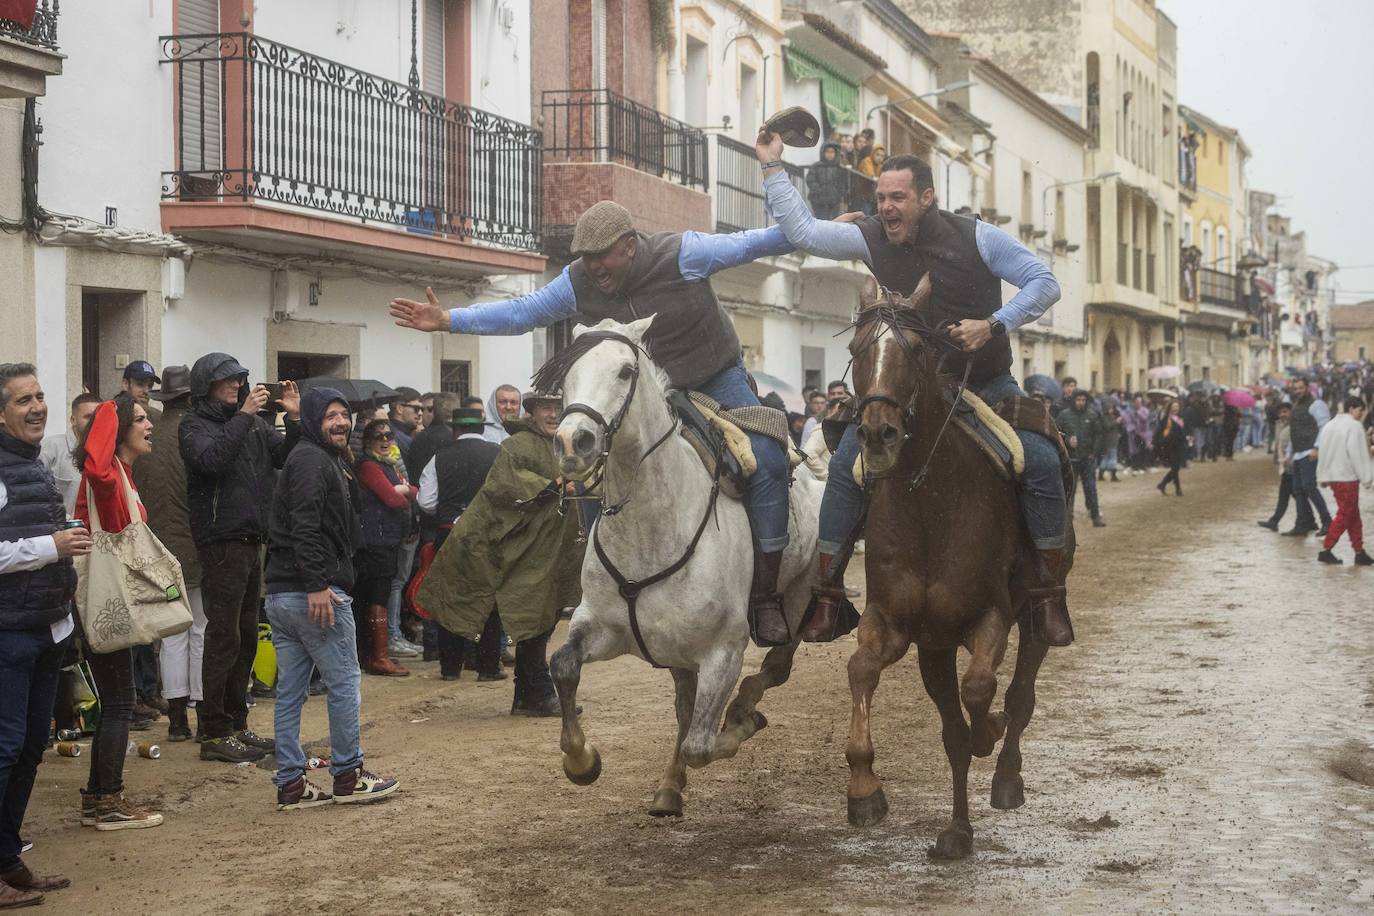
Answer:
(1086, 425)
(160, 477)
(230, 457)
(315, 527)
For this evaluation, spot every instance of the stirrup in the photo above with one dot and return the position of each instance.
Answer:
(773, 600)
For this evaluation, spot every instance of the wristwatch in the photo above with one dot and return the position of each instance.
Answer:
(998, 328)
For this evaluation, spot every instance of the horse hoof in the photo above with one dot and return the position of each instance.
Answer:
(760, 721)
(587, 778)
(1008, 793)
(667, 803)
(868, 812)
(954, 842)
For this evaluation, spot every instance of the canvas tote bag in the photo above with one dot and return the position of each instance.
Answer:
(129, 590)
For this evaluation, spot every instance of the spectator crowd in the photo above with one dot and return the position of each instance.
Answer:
(367, 534)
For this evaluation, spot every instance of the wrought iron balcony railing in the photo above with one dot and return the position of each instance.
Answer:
(42, 32)
(262, 121)
(738, 188)
(596, 125)
(1218, 287)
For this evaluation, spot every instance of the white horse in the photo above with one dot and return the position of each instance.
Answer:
(692, 618)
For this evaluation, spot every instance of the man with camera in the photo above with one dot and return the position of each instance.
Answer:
(231, 455)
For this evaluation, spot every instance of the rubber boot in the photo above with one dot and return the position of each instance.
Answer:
(534, 692)
(825, 616)
(378, 658)
(1049, 607)
(178, 726)
(767, 621)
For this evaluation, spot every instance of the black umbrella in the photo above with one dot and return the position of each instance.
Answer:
(359, 391)
(1206, 385)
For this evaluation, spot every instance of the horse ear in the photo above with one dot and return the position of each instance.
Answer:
(869, 294)
(636, 330)
(922, 292)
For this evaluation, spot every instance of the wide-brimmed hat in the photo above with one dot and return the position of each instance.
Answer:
(601, 226)
(176, 381)
(535, 397)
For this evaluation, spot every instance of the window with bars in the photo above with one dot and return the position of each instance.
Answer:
(455, 376)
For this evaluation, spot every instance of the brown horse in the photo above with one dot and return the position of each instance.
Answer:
(948, 564)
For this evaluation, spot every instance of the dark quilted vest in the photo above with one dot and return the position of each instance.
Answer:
(1302, 426)
(692, 337)
(962, 286)
(33, 508)
(382, 525)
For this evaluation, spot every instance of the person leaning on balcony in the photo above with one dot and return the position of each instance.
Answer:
(967, 261)
(624, 274)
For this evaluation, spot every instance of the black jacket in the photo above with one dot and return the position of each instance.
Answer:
(827, 183)
(315, 527)
(423, 447)
(230, 458)
(461, 468)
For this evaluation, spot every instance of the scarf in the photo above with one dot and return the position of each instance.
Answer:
(391, 457)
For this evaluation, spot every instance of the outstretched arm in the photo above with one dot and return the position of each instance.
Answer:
(1037, 289)
(520, 315)
(841, 241)
(703, 253)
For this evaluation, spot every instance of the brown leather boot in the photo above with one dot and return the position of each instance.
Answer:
(1049, 606)
(378, 659)
(825, 616)
(767, 620)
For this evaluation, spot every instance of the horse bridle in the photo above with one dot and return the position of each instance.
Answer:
(897, 319)
(630, 589)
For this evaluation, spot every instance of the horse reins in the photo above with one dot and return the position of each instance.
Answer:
(630, 589)
(896, 319)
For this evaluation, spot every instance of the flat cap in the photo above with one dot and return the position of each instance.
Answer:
(536, 397)
(600, 227)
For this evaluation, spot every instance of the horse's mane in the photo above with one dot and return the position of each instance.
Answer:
(550, 376)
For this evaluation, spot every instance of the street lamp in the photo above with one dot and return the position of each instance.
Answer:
(952, 87)
(1045, 198)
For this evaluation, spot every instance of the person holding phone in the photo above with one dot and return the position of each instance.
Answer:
(231, 457)
(314, 533)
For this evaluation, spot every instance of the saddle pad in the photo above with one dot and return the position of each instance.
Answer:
(994, 435)
(735, 425)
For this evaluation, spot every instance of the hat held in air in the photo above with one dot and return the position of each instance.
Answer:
(796, 126)
(601, 226)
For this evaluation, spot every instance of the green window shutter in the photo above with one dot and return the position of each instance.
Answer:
(839, 96)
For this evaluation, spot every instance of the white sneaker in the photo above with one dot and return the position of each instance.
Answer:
(400, 649)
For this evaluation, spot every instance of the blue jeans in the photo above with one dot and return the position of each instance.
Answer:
(1042, 487)
(1108, 461)
(767, 502)
(1308, 495)
(404, 562)
(30, 663)
(301, 646)
(1085, 470)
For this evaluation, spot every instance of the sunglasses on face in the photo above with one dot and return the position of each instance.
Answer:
(383, 437)
(415, 406)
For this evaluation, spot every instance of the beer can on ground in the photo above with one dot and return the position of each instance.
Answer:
(145, 749)
(69, 734)
(67, 749)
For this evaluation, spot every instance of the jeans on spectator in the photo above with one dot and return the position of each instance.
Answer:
(1199, 441)
(1042, 493)
(1347, 495)
(302, 646)
(405, 562)
(183, 654)
(1285, 494)
(231, 584)
(1108, 461)
(1307, 495)
(768, 499)
(29, 666)
(1085, 475)
(114, 682)
(145, 671)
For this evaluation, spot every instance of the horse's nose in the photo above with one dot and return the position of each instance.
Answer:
(570, 464)
(886, 435)
(584, 443)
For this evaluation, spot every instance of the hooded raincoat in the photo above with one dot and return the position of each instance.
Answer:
(510, 549)
(494, 430)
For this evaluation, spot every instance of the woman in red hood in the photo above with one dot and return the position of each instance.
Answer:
(119, 434)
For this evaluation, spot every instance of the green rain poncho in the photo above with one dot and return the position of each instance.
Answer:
(510, 548)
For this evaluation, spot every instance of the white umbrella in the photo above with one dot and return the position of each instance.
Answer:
(789, 394)
(1162, 372)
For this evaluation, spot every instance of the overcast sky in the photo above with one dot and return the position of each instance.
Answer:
(1297, 80)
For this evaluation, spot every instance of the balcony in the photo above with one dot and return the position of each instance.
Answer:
(280, 150)
(603, 146)
(28, 53)
(1216, 287)
(738, 188)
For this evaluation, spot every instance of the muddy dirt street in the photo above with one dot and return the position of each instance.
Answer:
(1205, 747)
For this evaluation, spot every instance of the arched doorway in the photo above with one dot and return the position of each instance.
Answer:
(1111, 362)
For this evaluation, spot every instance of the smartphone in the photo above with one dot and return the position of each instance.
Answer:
(275, 390)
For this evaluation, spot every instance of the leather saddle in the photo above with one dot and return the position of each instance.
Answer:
(709, 443)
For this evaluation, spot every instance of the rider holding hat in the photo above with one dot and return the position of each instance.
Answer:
(967, 261)
(624, 274)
